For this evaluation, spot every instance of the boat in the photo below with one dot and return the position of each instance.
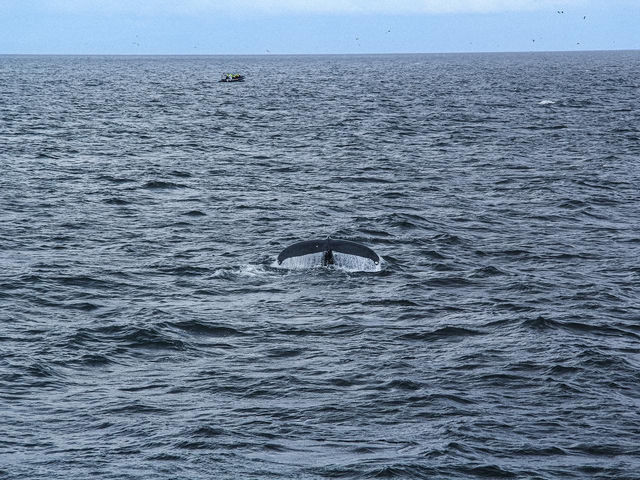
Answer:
(232, 77)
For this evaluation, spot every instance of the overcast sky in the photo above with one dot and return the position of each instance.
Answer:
(319, 26)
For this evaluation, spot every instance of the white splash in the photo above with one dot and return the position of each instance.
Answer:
(302, 262)
(354, 263)
(546, 102)
(342, 261)
(251, 271)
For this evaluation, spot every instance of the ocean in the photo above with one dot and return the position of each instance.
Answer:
(147, 331)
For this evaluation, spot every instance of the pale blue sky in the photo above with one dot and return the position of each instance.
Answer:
(322, 26)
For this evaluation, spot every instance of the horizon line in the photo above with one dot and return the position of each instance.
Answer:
(306, 54)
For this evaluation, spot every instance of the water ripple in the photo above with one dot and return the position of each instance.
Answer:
(147, 334)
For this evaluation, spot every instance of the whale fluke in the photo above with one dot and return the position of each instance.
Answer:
(330, 251)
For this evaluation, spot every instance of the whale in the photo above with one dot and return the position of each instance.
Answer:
(328, 252)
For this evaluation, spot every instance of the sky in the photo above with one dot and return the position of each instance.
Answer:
(315, 26)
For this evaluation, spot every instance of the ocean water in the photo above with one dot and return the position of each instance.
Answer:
(147, 333)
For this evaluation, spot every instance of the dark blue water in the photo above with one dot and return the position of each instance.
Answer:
(146, 333)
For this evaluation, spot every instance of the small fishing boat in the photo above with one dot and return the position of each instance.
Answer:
(232, 77)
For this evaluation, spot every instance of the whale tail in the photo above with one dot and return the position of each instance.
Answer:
(341, 253)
